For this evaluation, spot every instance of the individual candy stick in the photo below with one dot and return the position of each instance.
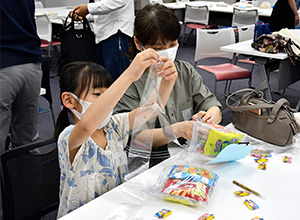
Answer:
(287, 159)
(163, 213)
(251, 205)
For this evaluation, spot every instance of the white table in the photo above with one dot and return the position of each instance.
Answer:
(288, 73)
(278, 184)
(216, 7)
(56, 14)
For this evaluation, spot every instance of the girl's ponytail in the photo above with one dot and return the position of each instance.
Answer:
(61, 123)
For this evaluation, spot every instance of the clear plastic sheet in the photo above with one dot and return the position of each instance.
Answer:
(138, 157)
(124, 211)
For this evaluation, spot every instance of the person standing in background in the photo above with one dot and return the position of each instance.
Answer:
(20, 73)
(113, 29)
(284, 15)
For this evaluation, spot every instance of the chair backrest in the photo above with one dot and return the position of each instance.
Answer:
(38, 4)
(30, 181)
(156, 1)
(272, 2)
(196, 14)
(44, 27)
(209, 41)
(242, 17)
(246, 32)
(46, 65)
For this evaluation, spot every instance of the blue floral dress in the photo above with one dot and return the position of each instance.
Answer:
(94, 170)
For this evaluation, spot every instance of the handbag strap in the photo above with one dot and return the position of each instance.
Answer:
(84, 21)
(244, 100)
(278, 105)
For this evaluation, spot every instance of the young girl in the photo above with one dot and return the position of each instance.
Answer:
(91, 152)
(157, 27)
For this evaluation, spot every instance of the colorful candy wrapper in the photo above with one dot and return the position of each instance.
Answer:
(211, 139)
(193, 174)
(287, 159)
(261, 160)
(262, 166)
(206, 216)
(163, 213)
(187, 185)
(251, 205)
(257, 218)
(260, 155)
(241, 193)
(218, 140)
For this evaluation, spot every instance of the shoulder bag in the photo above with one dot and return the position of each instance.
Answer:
(269, 121)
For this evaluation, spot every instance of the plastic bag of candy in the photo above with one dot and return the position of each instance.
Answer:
(211, 139)
(186, 184)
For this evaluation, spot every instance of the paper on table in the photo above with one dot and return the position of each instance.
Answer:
(231, 153)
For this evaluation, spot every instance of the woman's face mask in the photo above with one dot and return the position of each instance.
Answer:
(85, 105)
(170, 53)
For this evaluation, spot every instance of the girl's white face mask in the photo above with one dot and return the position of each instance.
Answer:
(85, 105)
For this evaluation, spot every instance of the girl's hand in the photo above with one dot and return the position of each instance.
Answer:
(141, 62)
(183, 129)
(168, 70)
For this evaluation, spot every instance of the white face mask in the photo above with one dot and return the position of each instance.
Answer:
(170, 53)
(85, 105)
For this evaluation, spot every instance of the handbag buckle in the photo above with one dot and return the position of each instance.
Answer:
(79, 36)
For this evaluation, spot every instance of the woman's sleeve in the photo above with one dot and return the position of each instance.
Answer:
(130, 100)
(105, 6)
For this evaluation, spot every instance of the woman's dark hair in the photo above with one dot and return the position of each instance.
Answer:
(76, 77)
(152, 23)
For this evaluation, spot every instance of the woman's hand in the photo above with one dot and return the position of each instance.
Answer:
(213, 115)
(183, 129)
(296, 19)
(205, 116)
(141, 62)
(167, 70)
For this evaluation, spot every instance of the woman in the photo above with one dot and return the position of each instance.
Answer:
(157, 27)
(284, 15)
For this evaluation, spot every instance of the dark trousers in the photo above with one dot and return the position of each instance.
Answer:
(112, 54)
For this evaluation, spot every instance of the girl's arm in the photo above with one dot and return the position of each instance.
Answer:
(294, 9)
(181, 129)
(169, 75)
(101, 107)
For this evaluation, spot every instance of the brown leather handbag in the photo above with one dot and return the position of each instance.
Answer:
(269, 121)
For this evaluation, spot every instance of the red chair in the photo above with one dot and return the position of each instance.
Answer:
(196, 17)
(208, 46)
(44, 30)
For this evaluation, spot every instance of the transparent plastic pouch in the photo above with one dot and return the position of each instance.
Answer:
(211, 139)
(186, 184)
